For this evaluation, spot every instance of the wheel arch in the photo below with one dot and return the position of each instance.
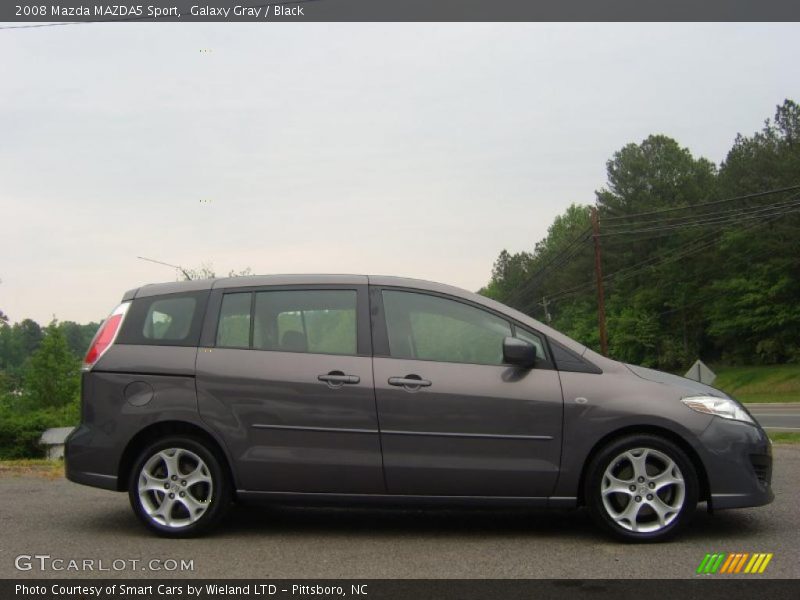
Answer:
(155, 431)
(702, 477)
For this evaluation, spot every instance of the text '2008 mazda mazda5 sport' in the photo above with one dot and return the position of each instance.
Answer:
(346, 389)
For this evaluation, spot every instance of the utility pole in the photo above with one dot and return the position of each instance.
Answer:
(544, 304)
(598, 271)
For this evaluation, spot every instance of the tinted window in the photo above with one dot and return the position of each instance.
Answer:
(233, 330)
(427, 327)
(320, 321)
(169, 319)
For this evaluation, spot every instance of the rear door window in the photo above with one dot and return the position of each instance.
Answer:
(314, 321)
(233, 330)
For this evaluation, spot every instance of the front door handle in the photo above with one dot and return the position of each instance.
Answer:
(337, 379)
(410, 382)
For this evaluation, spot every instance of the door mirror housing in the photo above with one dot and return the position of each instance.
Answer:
(519, 353)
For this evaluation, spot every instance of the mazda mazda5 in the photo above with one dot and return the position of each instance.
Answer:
(360, 389)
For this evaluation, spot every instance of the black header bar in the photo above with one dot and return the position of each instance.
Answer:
(70, 11)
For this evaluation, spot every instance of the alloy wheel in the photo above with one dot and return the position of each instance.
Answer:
(175, 487)
(643, 490)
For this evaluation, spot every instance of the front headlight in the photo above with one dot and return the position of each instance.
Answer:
(721, 407)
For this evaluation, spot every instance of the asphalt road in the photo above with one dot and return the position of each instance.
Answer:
(68, 521)
(777, 417)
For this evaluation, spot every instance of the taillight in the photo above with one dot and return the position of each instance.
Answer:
(105, 336)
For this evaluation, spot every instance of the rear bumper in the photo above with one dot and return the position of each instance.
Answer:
(81, 463)
(738, 461)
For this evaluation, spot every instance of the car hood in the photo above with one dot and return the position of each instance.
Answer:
(689, 385)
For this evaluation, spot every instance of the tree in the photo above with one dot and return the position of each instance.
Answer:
(206, 271)
(768, 159)
(78, 336)
(17, 343)
(27, 337)
(52, 376)
(657, 173)
(694, 281)
(508, 273)
(754, 314)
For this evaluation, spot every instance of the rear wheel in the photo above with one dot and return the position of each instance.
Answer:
(642, 488)
(178, 487)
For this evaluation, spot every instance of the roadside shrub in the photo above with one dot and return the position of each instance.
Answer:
(20, 431)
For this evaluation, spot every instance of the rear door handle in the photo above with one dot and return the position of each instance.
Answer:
(338, 379)
(413, 382)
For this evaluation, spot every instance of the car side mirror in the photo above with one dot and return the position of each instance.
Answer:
(519, 353)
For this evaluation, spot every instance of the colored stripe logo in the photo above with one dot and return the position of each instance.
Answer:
(734, 563)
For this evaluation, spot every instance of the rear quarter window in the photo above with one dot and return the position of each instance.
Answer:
(169, 320)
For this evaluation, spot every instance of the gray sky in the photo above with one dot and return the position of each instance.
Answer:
(418, 150)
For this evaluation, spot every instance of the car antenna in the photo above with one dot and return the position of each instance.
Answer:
(158, 262)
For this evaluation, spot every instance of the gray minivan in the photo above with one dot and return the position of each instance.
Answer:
(352, 389)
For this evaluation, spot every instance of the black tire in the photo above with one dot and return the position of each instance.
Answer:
(670, 494)
(214, 496)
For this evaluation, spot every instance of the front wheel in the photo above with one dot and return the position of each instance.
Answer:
(178, 487)
(641, 488)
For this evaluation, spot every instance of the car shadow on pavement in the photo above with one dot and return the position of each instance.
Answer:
(289, 520)
(293, 520)
(299, 521)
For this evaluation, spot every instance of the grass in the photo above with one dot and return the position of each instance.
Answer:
(788, 437)
(779, 383)
(36, 467)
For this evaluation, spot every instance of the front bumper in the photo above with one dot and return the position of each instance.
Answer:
(738, 461)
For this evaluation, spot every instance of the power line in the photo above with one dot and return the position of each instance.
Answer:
(721, 219)
(640, 267)
(703, 204)
(688, 218)
(715, 221)
(556, 261)
(559, 259)
(629, 272)
(707, 217)
(696, 244)
(754, 212)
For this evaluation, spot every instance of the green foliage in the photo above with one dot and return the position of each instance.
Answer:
(723, 292)
(578, 320)
(52, 377)
(508, 274)
(655, 174)
(20, 431)
(78, 337)
(37, 391)
(635, 338)
(769, 158)
(756, 316)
